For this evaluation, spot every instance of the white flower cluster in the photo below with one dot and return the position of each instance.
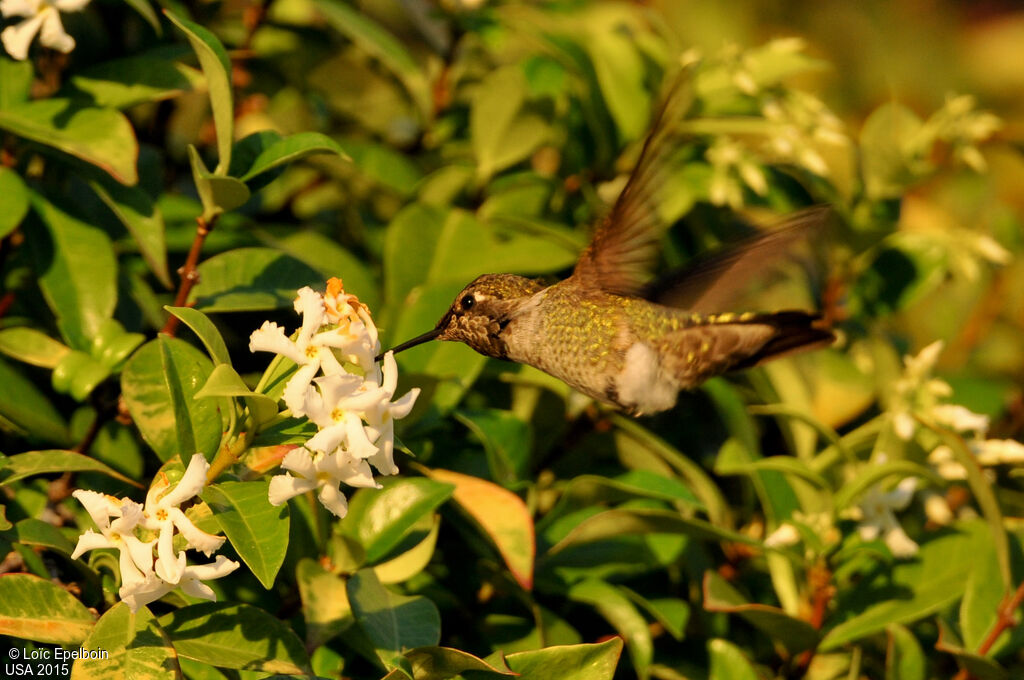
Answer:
(145, 576)
(355, 413)
(42, 17)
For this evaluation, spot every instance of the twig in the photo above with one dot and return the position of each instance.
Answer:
(1004, 621)
(189, 272)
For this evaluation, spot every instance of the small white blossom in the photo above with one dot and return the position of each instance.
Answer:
(136, 557)
(321, 471)
(998, 451)
(960, 418)
(878, 519)
(916, 392)
(43, 17)
(163, 515)
(731, 164)
(783, 537)
(152, 587)
(382, 414)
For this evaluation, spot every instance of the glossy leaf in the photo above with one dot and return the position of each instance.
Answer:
(251, 279)
(506, 439)
(102, 137)
(412, 561)
(217, 193)
(142, 218)
(291, 149)
(128, 645)
(77, 272)
(36, 532)
(568, 662)
(394, 623)
(728, 662)
(205, 331)
(22, 465)
(124, 83)
(31, 346)
(26, 411)
(501, 515)
(32, 608)
(235, 636)
(324, 602)
(213, 59)
(224, 381)
(258, 531)
(15, 200)
(159, 384)
(439, 663)
(617, 609)
(795, 634)
(379, 520)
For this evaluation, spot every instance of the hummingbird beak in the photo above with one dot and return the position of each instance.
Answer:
(418, 340)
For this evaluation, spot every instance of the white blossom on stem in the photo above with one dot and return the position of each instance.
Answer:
(42, 17)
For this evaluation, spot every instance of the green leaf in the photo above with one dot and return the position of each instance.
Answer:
(506, 439)
(129, 646)
(910, 591)
(501, 515)
(205, 331)
(325, 604)
(26, 411)
(36, 532)
(14, 195)
(224, 381)
(384, 165)
(379, 520)
(291, 149)
(795, 634)
(784, 464)
(620, 522)
(235, 636)
(258, 531)
(500, 133)
(77, 272)
(213, 59)
(728, 662)
(393, 623)
(32, 346)
(102, 137)
(620, 74)
(159, 384)
(620, 612)
(15, 81)
(22, 465)
(124, 83)
(378, 43)
(984, 595)
(439, 663)
(142, 218)
(904, 659)
(977, 667)
(568, 662)
(251, 279)
(412, 561)
(218, 193)
(32, 608)
(670, 612)
(329, 258)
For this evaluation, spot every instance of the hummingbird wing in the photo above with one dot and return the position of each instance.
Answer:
(712, 283)
(624, 248)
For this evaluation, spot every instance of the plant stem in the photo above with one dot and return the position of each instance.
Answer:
(1004, 621)
(189, 272)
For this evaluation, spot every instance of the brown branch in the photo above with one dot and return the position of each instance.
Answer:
(189, 272)
(1004, 621)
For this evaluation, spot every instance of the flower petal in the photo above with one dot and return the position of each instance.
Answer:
(196, 537)
(297, 393)
(90, 540)
(285, 487)
(332, 499)
(310, 305)
(99, 506)
(143, 592)
(18, 38)
(191, 483)
(53, 33)
(301, 462)
(271, 338)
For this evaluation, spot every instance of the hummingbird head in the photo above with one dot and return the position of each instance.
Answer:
(480, 313)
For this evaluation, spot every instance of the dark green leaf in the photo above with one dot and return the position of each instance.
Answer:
(251, 279)
(77, 272)
(291, 149)
(235, 636)
(620, 612)
(102, 137)
(205, 331)
(22, 465)
(124, 83)
(142, 218)
(904, 659)
(159, 384)
(257, 530)
(26, 411)
(393, 623)
(14, 195)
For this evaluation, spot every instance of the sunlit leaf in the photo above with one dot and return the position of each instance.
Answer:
(127, 645)
(32, 608)
(258, 531)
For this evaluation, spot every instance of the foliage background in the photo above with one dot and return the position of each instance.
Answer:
(485, 137)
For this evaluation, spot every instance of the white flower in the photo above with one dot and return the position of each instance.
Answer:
(785, 536)
(998, 451)
(152, 587)
(162, 514)
(916, 392)
(310, 350)
(136, 557)
(324, 471)
(730, 163)
(357, 334)
(942, 459)
(43, 18)
(878, 518)
(960, 419)
(381, 417)
(336, 408)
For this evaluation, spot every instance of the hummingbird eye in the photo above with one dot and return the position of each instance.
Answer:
(468, 302)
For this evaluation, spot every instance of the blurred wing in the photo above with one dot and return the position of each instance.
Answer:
(713, 283)
(624, 248)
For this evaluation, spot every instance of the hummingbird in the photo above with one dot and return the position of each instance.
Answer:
(611, 332)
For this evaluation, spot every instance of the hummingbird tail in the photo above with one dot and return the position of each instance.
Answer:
(794, 332)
